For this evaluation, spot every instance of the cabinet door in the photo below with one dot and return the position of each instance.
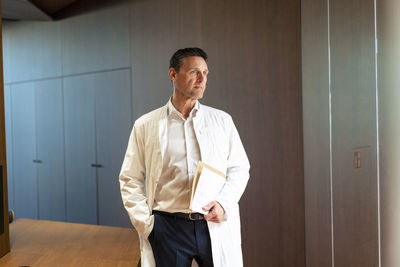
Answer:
(113, 125)
(80, 154)
(24, 150)
(50, 150)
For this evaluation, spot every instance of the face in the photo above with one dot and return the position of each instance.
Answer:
(190, 81)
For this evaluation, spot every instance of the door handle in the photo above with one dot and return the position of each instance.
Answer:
(97, 165)
(37, 161)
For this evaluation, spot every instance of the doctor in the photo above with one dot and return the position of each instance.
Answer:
(164, 148)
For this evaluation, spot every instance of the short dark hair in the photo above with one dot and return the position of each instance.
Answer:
(177, 58)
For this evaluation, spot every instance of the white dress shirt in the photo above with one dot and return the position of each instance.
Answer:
(179, 163)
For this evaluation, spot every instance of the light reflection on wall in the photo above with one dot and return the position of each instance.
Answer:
(388, 34)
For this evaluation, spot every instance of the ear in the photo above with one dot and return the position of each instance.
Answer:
(172, 74)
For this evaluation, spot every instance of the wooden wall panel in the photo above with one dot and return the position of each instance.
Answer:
(355, 199)
(254, 50)
(388, 33)
(316, 115)
(4, 233)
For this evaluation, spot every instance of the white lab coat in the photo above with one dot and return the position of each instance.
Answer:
(220, 147)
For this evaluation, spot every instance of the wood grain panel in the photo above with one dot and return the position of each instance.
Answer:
(355, 203)
(4, 235)
(258, 83)
(254, 62)
(316, 114)
(388, 32)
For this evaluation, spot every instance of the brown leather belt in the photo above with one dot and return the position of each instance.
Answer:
(195, 216)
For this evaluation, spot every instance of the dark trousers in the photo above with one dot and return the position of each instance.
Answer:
(177, 241)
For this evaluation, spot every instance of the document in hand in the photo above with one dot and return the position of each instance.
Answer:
(207, 183)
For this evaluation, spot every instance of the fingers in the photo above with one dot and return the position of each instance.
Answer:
(211, 212)
(216, 212)
(209, 206)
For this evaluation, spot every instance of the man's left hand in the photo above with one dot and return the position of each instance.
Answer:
(215, 212)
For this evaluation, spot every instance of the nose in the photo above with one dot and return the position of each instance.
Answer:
(200, 77)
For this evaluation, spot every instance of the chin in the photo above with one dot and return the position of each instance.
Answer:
(197, 97)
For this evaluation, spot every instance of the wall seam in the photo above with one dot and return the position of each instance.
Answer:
(60, 31)
(36, 151)
(377, 137)
(69, 75)
(96, 157)
(330, 132)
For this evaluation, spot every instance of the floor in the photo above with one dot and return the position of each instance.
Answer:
(48, 243)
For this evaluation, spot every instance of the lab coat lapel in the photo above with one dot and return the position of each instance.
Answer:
(158, 128)
(163, 132)
(198, 123)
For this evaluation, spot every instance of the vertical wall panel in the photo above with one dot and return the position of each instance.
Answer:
(350, 29)
(355, 202)
(24, 150)
(80, 149)
(156, 33)
(260, 40)
(388, 31)
(33, 44)
(96, 41)
(113, 126)
(50, 150)
(316, 129)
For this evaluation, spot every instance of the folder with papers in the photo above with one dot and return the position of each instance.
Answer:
(207, 183)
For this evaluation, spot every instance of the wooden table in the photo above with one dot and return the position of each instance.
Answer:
(48, 243)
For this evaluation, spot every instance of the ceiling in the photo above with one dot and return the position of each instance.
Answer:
(32, 9)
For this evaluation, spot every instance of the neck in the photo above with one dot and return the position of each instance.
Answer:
(183, 105)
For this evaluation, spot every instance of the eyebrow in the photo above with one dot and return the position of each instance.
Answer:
(195, 68)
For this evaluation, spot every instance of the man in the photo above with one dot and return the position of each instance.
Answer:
(161, 159)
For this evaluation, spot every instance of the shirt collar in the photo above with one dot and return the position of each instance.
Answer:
(173, 110)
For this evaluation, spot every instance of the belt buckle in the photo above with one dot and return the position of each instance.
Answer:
(190, 216)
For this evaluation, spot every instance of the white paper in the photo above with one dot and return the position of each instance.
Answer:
(208, 187)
